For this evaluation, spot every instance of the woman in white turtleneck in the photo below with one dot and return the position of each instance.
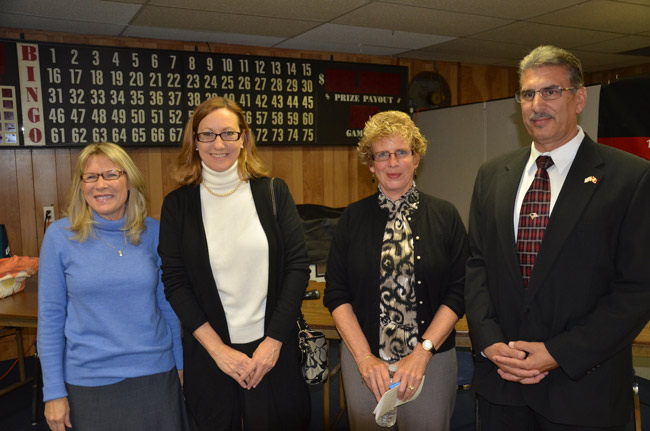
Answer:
(232, 230)
(235, 273)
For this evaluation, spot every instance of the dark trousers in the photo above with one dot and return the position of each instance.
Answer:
(496, 417)
(216, 402)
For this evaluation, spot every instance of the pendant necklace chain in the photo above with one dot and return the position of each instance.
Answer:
(222, 195)
(119, 251)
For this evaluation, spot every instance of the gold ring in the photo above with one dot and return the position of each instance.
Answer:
(410, 388)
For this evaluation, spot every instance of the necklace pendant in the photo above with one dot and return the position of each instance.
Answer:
(120, 252)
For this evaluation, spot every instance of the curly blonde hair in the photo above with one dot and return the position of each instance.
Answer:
(188, 168)
(390, 123)
(81, 214)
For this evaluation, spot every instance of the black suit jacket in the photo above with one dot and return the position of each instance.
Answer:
(589, 293)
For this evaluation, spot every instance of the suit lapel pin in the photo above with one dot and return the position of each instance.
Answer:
(591, 179)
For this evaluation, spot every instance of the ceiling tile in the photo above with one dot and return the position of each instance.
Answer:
(603, 15)
(645, 2)
(612, 46)
(489, 32)
(321, 11)
(351, 48)
(202, 36)
(419, 20)
(347, 34)
(60, 25)
(529, 33)
(493, 8)
(156, 16)
(484, 48)
(597, 60)
(96, 11)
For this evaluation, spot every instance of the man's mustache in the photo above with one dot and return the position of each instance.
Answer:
(540, 115)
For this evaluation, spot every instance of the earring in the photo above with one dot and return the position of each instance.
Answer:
(415, 175)
(373, 178)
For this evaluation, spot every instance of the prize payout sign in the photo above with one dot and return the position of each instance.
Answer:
(68, 95)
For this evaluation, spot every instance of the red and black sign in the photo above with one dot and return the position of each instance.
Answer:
(624, 115)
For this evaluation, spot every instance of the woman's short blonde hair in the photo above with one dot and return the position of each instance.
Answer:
(81, 214)
(390, 123)
(188, 169)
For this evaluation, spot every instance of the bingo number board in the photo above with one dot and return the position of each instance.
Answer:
(72, 95)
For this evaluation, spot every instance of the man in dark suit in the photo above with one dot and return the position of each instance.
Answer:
(557, 287)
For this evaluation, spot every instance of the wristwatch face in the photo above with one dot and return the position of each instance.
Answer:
(427, 345)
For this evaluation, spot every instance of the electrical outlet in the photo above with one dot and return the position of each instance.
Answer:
(48, 212)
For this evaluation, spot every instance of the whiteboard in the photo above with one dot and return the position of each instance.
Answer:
(461, 138)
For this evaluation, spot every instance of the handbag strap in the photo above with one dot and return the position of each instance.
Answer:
(302, 323)
(275, 210)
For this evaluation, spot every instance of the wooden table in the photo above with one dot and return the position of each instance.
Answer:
(19, 311)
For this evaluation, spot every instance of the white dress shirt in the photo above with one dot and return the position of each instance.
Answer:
(562, 160)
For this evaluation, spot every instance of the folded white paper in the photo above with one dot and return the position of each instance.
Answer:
(389, 400)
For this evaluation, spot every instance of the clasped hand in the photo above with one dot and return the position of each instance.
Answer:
(521, 361)
(249, 371)
(410, 370)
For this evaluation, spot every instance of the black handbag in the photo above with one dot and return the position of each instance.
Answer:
(313, 347)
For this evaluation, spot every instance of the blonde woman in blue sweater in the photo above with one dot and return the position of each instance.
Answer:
(109, 342)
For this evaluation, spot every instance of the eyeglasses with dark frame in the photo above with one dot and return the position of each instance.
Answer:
(226, 136)
(112, 175)
(384, 156)
(547, 93)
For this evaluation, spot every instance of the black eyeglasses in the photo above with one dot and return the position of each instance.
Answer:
(112, 175)
(228, 135)
(383, 156)
(547, 93)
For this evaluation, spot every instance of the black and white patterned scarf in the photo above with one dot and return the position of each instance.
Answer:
(398, 328)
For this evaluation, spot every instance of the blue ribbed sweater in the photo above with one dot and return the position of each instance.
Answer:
(102, 318)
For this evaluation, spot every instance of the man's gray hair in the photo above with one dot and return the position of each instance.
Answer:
(549, 55)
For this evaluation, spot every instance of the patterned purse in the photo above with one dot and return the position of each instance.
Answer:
(313, 346)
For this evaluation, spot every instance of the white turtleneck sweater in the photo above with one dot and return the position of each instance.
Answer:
(239, 252)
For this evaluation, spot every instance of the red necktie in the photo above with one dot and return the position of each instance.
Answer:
(533, 217)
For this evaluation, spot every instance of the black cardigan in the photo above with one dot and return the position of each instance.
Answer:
(440, 244)
(189, 285)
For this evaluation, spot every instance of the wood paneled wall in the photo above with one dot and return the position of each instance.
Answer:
(325, 175)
